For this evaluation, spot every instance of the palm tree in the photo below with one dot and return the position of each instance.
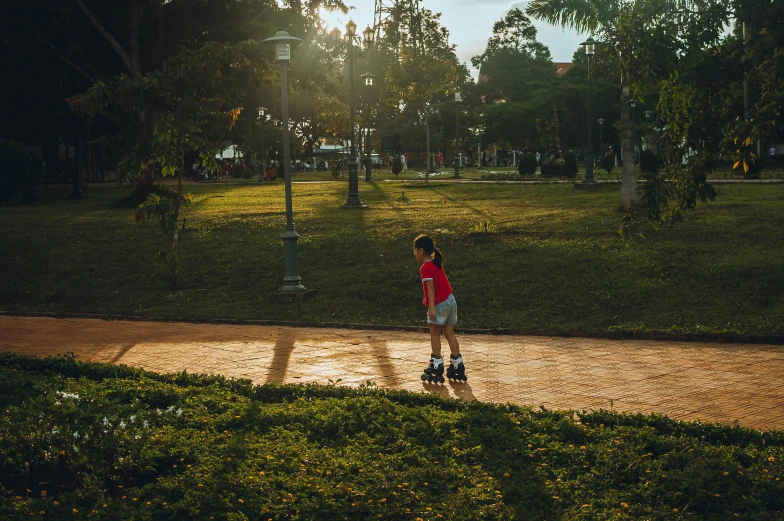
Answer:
(588, 16)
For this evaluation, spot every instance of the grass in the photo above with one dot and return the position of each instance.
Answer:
(91, 441)
(549, 258)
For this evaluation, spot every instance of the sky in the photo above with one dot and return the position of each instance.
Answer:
(470, 24)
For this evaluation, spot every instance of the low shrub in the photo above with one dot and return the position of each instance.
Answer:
(20, 171)
(87, 440)
(608, 162)
(527, 165)
(397, 165)
(570, 165)
(649, 162)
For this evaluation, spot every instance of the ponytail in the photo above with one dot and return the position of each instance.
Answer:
(438, 258)
(426, 243)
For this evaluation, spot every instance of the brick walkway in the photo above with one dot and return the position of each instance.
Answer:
(710, 382)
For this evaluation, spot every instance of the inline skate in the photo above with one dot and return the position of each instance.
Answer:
(434, 373)
(456, 369)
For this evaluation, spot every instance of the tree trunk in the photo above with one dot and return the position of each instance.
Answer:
(174, 265)
(629, 195)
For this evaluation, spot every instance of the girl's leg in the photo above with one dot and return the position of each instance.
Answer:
(435, 339)
(449, 333)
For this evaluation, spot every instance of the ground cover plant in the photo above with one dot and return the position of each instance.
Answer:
(94, 441)
(552, 261)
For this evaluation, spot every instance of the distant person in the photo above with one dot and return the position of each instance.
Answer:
(271, 175)
(225, 170)
(441, 312)
(772, 154)
(440, 159)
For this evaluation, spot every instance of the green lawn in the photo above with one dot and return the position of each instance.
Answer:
(553, 260)
(91, 441)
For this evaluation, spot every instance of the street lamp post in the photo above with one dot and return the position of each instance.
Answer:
(291, 280)
(601, 130)
(590, 50)
(262, 118)
(353, 200)
(458, 99)
(368, 78)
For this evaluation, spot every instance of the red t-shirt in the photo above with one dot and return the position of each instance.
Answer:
(429, 271)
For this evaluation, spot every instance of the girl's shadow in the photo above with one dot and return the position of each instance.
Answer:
(461, 390)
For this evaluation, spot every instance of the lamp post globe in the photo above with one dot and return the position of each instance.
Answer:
(589, 182)
(292, 283)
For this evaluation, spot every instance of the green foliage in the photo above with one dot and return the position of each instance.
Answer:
(527, 165)
(570, 165)
(397, 165)
(649, 162)
(163, 209)
(20, 170)
(119, 442)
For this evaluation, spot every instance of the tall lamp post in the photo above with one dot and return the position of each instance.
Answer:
(291, 280)
(262, 119)
(590, 50)
(353, 200)
(368, 78)
(458, 99)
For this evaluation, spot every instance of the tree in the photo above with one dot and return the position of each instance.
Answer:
(641, 40)
(427, 67)
(194, 100)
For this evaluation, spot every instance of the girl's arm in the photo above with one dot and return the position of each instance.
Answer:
(431, 298)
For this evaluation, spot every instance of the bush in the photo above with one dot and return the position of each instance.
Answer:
(608, 162)
(20, 171)
(527, 165)
(649, 162)
(397, 165)
(570, 165)
(125, 443)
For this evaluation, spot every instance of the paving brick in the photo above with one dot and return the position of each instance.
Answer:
(687, 381)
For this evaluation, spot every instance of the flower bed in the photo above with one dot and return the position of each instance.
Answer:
(92, 441)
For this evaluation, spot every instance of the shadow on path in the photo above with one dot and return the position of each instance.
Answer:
(284, 345)
(386, 368)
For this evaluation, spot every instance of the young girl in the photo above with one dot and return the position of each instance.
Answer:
(441, 312)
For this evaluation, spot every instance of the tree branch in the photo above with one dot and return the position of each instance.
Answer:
(66, 60)
(103, 32)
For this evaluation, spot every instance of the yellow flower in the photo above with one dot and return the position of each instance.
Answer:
(674, 510)
(75, 511)
(625, 505)
(240, 500)
(586, 505)
(771, 458)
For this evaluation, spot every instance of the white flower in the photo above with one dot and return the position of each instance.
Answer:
(158, 411)
(75, 448)
(145, 424)
(105, 420)
(122, 424)
(179, 412)
(76, 434)
(57, 402)
(55, 431)
(133, 417)
(170, 408)
(136, 437)
(86, 437)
